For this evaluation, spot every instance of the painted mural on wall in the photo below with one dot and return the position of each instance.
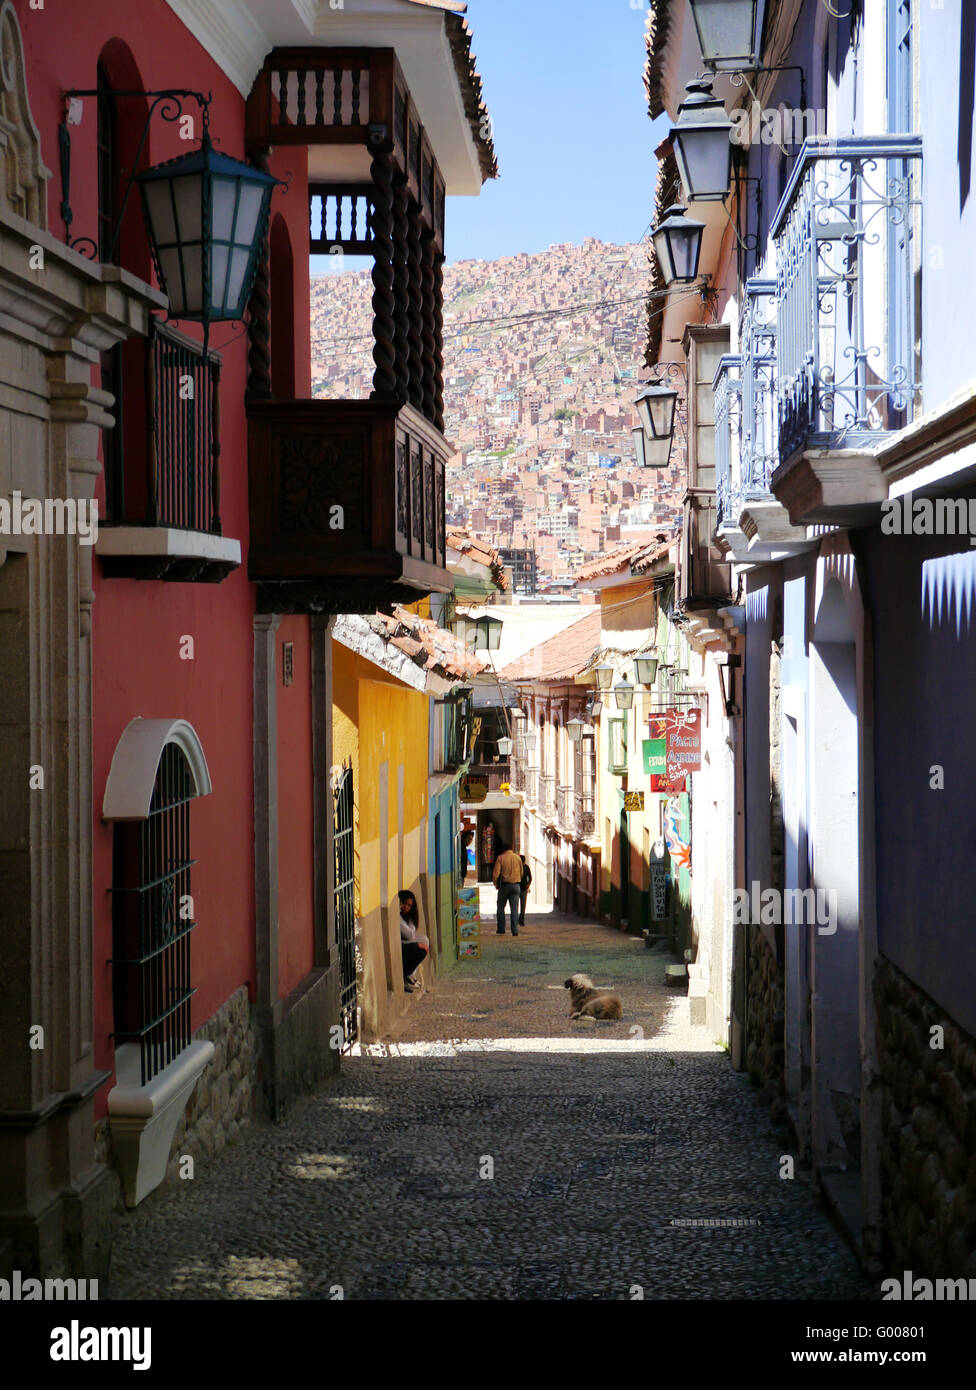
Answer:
(679, 848)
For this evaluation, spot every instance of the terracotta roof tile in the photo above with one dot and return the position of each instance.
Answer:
(653, 553)
(427, 645)
(559, 658)
(658, 27)
(637, 557)
(466, 544)
(469, 80)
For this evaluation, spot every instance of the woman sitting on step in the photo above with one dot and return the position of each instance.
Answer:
(413, 944)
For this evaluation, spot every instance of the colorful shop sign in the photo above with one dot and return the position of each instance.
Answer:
(655, 755)
(681, 730)
(474, 789)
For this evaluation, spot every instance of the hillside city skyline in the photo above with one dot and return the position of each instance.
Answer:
(543, 358)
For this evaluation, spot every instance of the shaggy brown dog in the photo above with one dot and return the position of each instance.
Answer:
(589, 1002)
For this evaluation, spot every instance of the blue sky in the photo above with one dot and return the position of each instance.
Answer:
(563, 83)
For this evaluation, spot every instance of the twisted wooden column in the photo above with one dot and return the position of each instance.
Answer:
(429, 329)
(384, 357)
(439, 340)
(259, 310)
(401, 287)
(416, 305)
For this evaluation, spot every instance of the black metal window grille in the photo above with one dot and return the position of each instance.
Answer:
(345, 905)
(152, 920)
(111, 360)
(184, 483)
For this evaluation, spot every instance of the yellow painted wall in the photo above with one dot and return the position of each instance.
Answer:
(383, 726)
(628, 619)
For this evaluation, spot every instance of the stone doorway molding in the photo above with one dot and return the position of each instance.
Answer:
(58, 313)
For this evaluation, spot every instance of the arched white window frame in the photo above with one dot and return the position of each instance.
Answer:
(132, 776)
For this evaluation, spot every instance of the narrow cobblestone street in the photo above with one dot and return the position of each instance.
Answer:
(610, 1145)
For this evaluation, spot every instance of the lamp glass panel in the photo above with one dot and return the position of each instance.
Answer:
(171, 275)
(188, 197)
(249, 210)
(683, 250)
(704, 159)
(661, 411)
(218, 277)
(624, 694)
(505, 747)
(604, 675)
(657, 453)
(662, 249)
(159, 210)
(192, 258)
(639, 447)
(223, 192)
(646, 667)
(236, 287)
(726, 31)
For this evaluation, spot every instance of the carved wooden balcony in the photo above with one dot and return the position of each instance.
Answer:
(346, 505)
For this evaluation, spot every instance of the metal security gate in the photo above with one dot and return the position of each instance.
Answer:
(345, 906)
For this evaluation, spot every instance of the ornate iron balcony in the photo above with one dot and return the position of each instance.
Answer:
(585, 815)
(759, 454)
(727, 386)
(845, 236)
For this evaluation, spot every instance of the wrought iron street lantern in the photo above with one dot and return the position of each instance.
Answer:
(624, 695)
(646, 667)
(677, 244)
(207, 219)
(655, 408)
(730, 33)
(702, 143)
(483, 634)
(505, 747)
(574, 728)
(604, 675)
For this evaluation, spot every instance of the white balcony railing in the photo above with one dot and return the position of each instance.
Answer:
(846, 250)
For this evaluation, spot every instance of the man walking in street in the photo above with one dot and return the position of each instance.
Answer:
(507, 877)
(526, 884)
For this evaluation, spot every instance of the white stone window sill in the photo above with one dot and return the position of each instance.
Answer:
(166, 541)
(143, 1118)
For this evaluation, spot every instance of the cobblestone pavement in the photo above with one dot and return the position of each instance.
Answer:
(609, 1143)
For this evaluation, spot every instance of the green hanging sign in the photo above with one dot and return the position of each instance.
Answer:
(655, 752)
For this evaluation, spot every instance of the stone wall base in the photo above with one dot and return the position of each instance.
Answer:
(301, 1050)
(928, 1132)
(765, 1052)
(224, 1100)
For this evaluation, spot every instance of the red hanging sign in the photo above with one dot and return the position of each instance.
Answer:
(682, 730)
